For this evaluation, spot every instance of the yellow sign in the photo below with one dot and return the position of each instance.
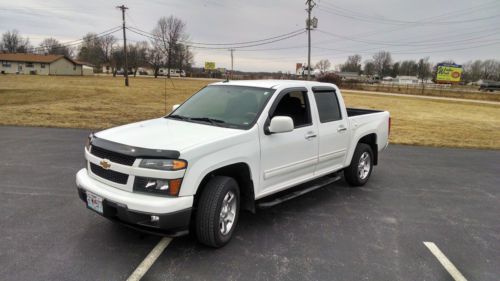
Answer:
(449, 73)
(209, 65)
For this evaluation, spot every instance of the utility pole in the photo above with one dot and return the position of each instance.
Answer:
(310, 6)
(123, 8)
(231, 50)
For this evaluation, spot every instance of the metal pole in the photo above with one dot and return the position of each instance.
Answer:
(123, 8)
(309, 9)
(232, 50)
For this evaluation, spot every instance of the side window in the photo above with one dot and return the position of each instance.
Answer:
(328, 106)
(296, 106)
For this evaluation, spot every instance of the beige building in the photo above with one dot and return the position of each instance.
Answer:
(40, 65)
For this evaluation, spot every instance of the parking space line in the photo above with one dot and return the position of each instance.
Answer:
(149, 260)
(452, 270)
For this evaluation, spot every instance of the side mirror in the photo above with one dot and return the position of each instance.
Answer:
(174, 107)
(281, 124)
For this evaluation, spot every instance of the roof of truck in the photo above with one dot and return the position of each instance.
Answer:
(272, 83)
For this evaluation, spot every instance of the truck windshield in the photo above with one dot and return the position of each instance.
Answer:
(224, 106)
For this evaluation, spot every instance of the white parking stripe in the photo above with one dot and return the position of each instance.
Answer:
(452, 270)
(149, 260)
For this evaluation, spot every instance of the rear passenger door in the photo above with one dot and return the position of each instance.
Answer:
(332, 130)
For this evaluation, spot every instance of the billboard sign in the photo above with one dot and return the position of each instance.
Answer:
(209, 65)
(450, 73)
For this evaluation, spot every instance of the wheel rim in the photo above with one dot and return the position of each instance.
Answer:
(227, 213)
(364, 165)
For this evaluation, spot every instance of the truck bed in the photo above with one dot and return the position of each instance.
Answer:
(359, 111)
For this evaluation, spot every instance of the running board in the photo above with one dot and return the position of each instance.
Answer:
(308, 187)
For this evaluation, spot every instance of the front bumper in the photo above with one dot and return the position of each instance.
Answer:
(135, 210)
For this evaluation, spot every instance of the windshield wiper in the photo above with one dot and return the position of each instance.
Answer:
(213, 121)
(177, 116)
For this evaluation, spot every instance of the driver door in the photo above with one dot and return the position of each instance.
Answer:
(289, 158)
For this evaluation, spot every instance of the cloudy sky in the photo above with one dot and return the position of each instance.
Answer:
(461, 30)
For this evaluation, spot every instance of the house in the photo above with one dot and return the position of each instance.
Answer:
(16, 63)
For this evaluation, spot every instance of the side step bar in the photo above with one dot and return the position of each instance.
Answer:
(299, 190)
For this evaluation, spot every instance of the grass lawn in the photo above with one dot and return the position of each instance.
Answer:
(102, 102)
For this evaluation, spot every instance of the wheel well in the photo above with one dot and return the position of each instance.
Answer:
(371, 140)
(241, 173)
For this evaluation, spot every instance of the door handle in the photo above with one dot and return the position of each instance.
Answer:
(310, 136)
(341, 129)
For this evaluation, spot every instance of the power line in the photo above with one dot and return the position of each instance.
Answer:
(154, 37)
(298, 31)
(385, 43)
(351, 14)
(74, 42)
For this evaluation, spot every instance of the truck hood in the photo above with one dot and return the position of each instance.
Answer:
(166, 134)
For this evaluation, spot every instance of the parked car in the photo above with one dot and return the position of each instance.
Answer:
(173, 72)
(232, 146)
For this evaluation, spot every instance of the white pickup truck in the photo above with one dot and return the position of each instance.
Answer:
(232, 145)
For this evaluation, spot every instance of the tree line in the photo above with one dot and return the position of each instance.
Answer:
(382, 65)
(166, 48)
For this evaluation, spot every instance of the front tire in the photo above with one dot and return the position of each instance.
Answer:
(218, 211)
(360, 169)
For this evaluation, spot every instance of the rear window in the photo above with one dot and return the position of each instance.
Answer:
(328, 106)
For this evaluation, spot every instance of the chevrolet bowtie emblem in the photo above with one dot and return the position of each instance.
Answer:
(105, 164)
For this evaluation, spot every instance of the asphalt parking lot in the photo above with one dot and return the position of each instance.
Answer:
(447, 196)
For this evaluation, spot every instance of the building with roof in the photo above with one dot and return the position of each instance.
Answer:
(16, 63)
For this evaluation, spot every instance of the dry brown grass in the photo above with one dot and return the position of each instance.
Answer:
(101, 102)
(87, 102)
(435, 122)
(460, 92)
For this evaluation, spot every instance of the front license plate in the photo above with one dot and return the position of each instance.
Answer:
(94, 202)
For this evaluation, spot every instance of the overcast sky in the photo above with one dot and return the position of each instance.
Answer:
(461, 30)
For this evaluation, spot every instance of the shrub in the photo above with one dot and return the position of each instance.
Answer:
(330, 78)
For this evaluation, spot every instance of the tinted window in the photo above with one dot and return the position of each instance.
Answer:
(295, 106)
(328, 106)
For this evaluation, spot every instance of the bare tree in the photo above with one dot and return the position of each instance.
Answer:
(184, 57)
(52, 46)
(369, 68)
(408, 67)
(424, 69)
(476, 69)
(12, 42)
(168, 33)
(137, 56)
(489, 68)
(395, 69)
(106, 46)
(90, 50)
(154, 58)
(382, 61)
(323, 65)
(353, 64)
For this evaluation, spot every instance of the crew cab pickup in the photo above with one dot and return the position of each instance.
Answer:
(232, 146)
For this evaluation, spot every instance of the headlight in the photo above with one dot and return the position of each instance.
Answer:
(159, 186)
(163, 164)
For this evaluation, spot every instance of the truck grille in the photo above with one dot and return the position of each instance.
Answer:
(108, 174)
(112, 156)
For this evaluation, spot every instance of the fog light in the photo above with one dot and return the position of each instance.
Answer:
(155, 219)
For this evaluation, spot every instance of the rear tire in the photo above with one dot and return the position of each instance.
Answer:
(360, 169)
(218, 211)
